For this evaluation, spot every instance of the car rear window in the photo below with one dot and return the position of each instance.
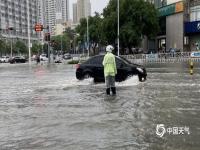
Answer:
(95, 60)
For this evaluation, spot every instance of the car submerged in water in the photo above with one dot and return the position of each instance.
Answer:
(18, 59)
(93, 68)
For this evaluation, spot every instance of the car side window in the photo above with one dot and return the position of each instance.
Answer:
(119, 62)
(95, 60)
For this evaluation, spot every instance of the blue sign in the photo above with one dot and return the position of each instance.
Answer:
(152, 56)
(195, 54)
(192, 27)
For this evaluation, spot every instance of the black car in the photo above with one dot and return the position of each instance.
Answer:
(17, 59)
(93, 68)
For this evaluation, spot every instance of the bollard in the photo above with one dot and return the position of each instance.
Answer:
(191, 67)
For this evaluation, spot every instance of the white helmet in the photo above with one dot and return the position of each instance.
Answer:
(109, 48)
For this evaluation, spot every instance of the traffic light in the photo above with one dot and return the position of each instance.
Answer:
(47, 37)
(10, 28)
(53, 43)
(38, 27)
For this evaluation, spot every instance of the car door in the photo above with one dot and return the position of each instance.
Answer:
(99, 70)
(122, 70)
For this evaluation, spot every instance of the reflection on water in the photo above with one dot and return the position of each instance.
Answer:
(47, 108)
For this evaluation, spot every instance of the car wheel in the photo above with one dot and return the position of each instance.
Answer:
(87, 75)
(141, 78)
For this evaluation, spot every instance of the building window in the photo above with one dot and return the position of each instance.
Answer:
(195, 13)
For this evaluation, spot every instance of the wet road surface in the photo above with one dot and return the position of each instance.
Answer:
(46, 108)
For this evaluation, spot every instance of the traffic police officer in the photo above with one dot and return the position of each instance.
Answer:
(110, 70)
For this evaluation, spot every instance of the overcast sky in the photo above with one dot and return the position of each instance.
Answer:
(97, 5)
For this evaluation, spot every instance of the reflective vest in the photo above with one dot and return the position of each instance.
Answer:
(109, 64)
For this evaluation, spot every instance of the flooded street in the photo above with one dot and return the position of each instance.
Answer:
(46, 108)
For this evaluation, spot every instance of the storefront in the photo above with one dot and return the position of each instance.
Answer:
(172, 27)
(192, 28)
(192, 32)
(171, 22)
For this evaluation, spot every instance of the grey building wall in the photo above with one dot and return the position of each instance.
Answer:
(14, 14)
(174, 31)
(75, 20)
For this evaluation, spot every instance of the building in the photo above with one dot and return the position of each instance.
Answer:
(62, 11)
(192, 25)
(59, 29)
(14, 14)
(53, 12)
(180, 27)
(81, 9)
(75, 17)
(179, 22)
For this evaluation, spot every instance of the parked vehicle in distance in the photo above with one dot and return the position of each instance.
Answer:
(43, 57)
(93, 68)
(67, 56)
(173, 50)
(17, 59)
(58, 59)
(4, 59)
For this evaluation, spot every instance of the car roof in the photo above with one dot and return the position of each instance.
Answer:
(119, 57)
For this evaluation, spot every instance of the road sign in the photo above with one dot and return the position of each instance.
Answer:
(38, 27)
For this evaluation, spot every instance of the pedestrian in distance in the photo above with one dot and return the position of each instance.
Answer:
(110, 70)
(38, 59)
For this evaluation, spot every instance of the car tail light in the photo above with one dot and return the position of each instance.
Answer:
(77, 66)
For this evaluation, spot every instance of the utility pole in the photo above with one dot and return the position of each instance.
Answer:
(118, 27)
(11, 53)
(62, 43)
(88, 45)
(29, 41)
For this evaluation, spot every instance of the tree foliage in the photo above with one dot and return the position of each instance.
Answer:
(3, 46)
(36, 48)
(138, 18)
(95, 30)
(63, 41)
(20, 48)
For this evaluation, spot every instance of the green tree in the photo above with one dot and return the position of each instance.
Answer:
(95, 30)
(3, 46)
(36, 48)
(138, 18)
(20, 48)
(61, 42)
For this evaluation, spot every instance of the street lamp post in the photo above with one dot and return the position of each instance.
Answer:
(61, 43)
(10, 43)
(29, 41)
(88, 47)
(118, 27)
(11, 40)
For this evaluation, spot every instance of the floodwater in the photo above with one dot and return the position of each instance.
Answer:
(46, 108)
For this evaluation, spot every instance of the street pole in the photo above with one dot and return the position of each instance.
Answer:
(118, 27)
(10, 43)
(61, 43)
(29, 41)
(88, 38)
(74, 45)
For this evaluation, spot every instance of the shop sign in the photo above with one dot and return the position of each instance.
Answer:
(192, 27)
(171, 9)
(195, 54)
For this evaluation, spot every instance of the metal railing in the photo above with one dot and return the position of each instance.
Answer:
(162, 57)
